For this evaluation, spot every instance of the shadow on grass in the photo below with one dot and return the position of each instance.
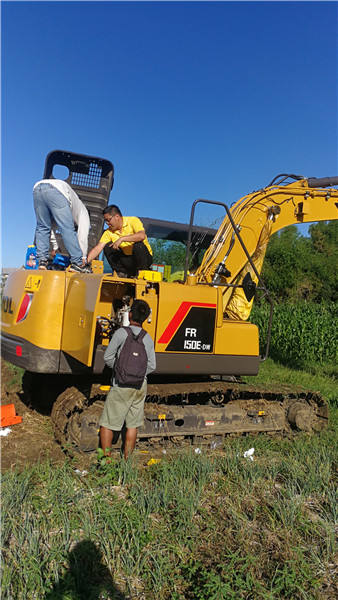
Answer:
(87, 577)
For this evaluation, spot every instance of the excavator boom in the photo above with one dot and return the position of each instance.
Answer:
(302, 201)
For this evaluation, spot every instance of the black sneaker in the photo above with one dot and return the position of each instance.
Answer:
(79, 269)
(122, 274)
(43, 264)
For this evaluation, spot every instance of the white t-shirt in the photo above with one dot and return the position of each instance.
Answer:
(79, 213)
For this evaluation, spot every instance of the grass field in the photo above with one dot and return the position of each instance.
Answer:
(213, 525)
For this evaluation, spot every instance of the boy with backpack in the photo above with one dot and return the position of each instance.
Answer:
(131, 355)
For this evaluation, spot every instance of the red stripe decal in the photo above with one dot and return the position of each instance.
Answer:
(25, 305)
(178, 318)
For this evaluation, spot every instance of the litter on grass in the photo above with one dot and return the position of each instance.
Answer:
(249, 454)
(8, 415)
(215, 445)
(153, 461)
(5, 432)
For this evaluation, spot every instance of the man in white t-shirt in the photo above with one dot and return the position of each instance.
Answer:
(55, 200)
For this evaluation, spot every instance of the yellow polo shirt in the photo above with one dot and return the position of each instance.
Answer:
(130, 225)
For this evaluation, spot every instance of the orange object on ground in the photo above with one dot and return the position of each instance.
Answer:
(8, 416)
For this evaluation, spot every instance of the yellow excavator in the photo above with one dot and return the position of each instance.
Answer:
(57, 324)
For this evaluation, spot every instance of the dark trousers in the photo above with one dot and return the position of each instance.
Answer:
(139, 260)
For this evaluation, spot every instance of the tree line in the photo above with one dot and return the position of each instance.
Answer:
(303, 268)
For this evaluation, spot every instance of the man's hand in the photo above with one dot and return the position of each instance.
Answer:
(117, 243)
(95, 251)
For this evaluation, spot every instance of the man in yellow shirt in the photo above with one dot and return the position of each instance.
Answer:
(124, 243)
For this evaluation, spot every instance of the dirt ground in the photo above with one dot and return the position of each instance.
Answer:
(32, 439)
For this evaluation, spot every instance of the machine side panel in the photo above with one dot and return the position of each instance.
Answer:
(187, 317)
(201, 364)
(23, 354)
(32, 314)
(80, 316)
(172, 363)
(237, 338)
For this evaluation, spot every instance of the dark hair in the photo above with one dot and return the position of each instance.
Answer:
(112, 209)
(139, 311)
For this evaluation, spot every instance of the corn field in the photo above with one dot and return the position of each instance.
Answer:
(302, 333)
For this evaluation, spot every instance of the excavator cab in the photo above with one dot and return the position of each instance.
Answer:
(92, 178)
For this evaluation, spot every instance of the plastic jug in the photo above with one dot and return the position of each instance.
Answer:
(31, 262)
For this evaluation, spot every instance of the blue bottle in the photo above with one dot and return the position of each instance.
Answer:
(31, 261)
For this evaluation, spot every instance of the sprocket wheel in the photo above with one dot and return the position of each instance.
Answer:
(75, 420)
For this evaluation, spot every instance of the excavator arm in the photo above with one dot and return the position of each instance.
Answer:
(239, 246)
(302, 201)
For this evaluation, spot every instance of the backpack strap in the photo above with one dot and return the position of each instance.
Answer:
(130, 332)
(141, 335)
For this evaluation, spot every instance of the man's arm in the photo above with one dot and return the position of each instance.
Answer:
(114, 344)
(95, 251)
(139, 236)
(151, 365)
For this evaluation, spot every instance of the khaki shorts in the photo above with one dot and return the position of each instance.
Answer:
(123, 405)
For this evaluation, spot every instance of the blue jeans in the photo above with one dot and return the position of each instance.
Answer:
(49, 205)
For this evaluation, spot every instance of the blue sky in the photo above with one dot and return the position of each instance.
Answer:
(187, 99)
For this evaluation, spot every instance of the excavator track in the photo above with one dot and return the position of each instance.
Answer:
(195, 412)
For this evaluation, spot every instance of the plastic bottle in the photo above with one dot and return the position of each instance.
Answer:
(31, 262)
